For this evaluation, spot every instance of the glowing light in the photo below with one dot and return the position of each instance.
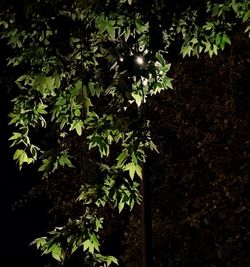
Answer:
(121, 59)
(144, 81)
(139, 60)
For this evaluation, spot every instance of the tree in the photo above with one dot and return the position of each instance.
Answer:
(85, 71)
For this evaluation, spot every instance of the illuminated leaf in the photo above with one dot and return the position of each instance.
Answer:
(120, 206)
(133, 168)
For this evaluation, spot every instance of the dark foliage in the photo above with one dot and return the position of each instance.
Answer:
(200, 179)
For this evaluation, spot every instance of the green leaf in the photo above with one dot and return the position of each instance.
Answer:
(50, 83)
(215, 49)
(63, 122)
(160, 58)
(137, 98)
(41, 109)
(57, 252)
(95, 242)
(209, 26)
(64, 160)
(111, 259)
(91, 87)
(87, 103)
(87, 245)
(98, 224)
(57, 81)
(78, 126)
(120, 206)
(21, 156)
(218, 39)
(39, 242)
(17, 154)
(122, 158)
(133, 168)
(77, 112)
(111, 30)
(186, 50)
(234, 6)
(167, 83)
(127, 34)
(45, 165)
(74, 248)
(15, 136)
(225, 39)
(246, 16)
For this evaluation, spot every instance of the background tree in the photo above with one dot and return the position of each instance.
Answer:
(85, 70)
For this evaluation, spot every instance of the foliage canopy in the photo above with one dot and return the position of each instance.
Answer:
(85, 72)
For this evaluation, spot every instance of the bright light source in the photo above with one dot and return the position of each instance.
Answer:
(121, 59)
(139, 60)
(144, 81)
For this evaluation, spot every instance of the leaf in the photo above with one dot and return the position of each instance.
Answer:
(15, 136)
(17, 154)
(247, 29)
(91, 87)
(78, 125)
(138, 170)
(21, 156)
(21, 78)
(208, 26)
(160, 58)
(111, 30)
(74, 248)
(50, 83)
(57, 252)
(218, 39)
(98, 224)
(167, 83)
(33, 151)
(39, 242)
(41, 108)
(234, 6)
(101, 21)
(126, 34)
(122, 158)
(120, 206)
(132, 204)
(95, 242)
(111, 259)
(153, 146)
(246, 16)
(87, 244)
(45, 165)
(63, 122)
(64, 160)
(225, 39)
(186, 50)
(133, 168)
(100, 142)
(57, 81)
(87, 103)
(137, 98)
(215, 49)
(130, 2)
(77, 112)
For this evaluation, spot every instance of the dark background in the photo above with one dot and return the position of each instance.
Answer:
(19, 225)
